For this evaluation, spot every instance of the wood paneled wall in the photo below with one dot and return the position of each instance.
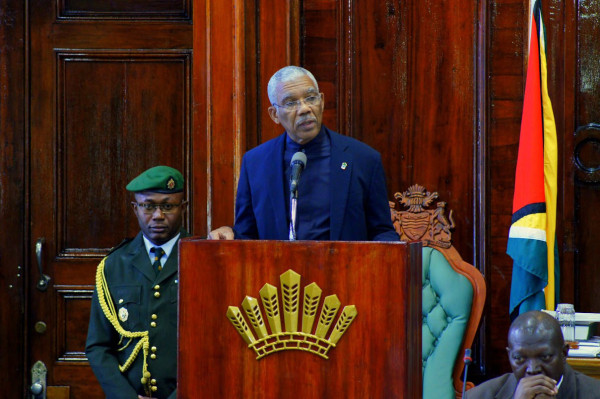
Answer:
(236, 50)
(585, 123)
(506, 69)
(13, 188)
(437, 88)
(404, 87)
(506, 66)
(399, 76)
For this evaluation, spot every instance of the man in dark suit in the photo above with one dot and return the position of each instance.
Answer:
(538, 357)
(132, 334)
(342, 193)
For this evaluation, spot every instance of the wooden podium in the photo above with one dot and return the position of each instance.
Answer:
(377, 349)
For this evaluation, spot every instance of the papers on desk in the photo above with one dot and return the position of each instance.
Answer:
(587, 348)
(585, 351)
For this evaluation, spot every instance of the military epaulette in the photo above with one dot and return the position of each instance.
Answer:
(122, 243)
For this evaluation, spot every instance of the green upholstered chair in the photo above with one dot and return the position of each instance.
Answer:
(453, 292)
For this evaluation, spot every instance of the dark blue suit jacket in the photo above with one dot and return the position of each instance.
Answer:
(359, 208)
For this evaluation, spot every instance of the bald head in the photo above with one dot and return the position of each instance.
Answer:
(536, 346)
(539, 324)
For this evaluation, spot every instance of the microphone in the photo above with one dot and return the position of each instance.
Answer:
(467, 360)
(298, 164)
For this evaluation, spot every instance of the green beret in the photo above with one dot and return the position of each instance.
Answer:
(159, 179)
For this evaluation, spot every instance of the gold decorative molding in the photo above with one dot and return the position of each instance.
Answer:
(264, 343)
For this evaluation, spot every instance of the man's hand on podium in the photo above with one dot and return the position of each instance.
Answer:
(222, 233)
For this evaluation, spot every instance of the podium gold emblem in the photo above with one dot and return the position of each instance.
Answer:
(307, 339)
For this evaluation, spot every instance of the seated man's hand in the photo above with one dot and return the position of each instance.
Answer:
(536, 386)
(222, 233)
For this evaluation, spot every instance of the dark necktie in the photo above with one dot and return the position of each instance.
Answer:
(158, 253)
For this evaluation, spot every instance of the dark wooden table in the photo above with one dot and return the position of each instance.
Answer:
(586, 365)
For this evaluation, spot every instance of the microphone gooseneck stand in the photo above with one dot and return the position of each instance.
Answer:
(293, 206)
(467, 360)
(297, 164)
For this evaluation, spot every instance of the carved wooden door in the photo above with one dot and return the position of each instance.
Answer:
(586, 158)
(109, 97)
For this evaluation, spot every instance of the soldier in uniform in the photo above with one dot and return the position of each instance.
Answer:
(132, 335)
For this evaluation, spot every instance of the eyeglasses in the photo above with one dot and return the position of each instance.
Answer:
(292, 105)
(149, 209)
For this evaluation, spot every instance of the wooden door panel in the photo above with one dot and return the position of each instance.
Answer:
(110, 97)
(124, 111)
(586, 157)
(59, 392)
(587, 218)
(72, 306)
(124, 8)
(588, 84)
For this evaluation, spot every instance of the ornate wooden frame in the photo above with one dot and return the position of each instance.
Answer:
(433, 228)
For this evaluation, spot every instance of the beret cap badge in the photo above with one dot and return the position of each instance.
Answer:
(159, 179)
(171, 183)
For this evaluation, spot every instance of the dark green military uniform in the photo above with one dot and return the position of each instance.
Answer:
(139, 301)
(148, 299)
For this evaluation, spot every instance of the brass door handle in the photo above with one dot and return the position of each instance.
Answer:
(42, 283)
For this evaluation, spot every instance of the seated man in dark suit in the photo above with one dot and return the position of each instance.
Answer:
(538, 356)
(342, 195)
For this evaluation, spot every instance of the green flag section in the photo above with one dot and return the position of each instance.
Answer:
(533, 229)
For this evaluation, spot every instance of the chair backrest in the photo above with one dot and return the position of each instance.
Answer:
(453, 291)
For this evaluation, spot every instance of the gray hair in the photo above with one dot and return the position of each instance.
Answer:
(286, 74)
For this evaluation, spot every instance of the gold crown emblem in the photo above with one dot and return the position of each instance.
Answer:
(291, 339)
